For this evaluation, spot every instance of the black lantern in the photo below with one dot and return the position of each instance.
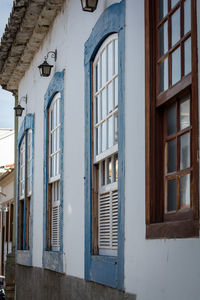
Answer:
(45, 68)
(89, 5)
(18, 110)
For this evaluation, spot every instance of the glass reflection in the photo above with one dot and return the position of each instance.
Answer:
(116, 129)
(185, 113)
(103, 173)
(176, 66)
(116, 91)
(110, 61)
(174, 2)
(110, 97)
(187, 16)
(171, 195)
(104, 103)
(171, 119)
(103, 68)
(164, 38)
(116, 167)
(171, 156)
(164, 75)
(110, 132)
(187, 56)
(185, 151)
(163, 8)
(109, 170)
(104, 137)
(176, 27)
(98, 143)
(185, 191)
(116, 56)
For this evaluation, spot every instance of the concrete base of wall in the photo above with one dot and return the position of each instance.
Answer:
(37, 283)
(10, 276)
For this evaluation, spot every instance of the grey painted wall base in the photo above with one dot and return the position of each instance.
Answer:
(36, 283)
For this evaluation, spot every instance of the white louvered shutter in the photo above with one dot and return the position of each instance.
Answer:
(55, 227)
(108, 223)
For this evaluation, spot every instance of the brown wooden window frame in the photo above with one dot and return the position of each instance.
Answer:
(184, 223)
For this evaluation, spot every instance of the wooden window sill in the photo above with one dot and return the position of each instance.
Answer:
(173, 230)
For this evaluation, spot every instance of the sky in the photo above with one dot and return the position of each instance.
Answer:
(6, 98)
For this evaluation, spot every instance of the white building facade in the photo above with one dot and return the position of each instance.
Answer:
(84, 154)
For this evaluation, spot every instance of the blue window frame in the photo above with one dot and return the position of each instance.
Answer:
(53, 176)
(24, 207)
(106, 269)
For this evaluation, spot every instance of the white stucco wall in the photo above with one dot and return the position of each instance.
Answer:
(154, 269)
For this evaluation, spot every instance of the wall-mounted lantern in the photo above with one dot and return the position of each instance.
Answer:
(45, 68)
(89, 5)
(19, 109)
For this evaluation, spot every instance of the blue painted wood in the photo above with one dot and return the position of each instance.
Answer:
(25, 256)
(25, 192)
(53, 260)
(104, 269)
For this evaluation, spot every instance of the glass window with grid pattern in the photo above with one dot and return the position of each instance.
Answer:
(175, 114)
(54, 173)
(25, 187)
(105, 146)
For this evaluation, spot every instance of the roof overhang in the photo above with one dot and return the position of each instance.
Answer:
(27, 26)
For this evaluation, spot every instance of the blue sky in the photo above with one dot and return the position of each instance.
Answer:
(6, 98)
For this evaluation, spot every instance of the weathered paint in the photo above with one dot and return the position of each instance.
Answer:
(25, 256)
(53, 260)
(106, 270)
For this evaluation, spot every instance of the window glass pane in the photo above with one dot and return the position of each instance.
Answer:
(58, 162)
(109, 170)
(187, 57)
(171, 157)
(104, 104)
(58, 111)
(163, 8)
(110, 97)
(116, 167)
(171, 119)
(98, 109)
(110, 132)
(98, 144)
(116, 91)
(174, 2)
(103, 173)
(185, 113)
(164, 75)
(164, 38)
(116, 129)
(176, 27)
(176, 66)
(171, 195)
(54, 115)
(110, 61)
(185, 151)
(103, 69)
(97, 78)
(185, 191)
(104, 137)
(116, 56)
(51, 119)
(187, 16)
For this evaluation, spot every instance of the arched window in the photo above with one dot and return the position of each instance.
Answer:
(105, 146)
(25, 175)
(54, 173)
